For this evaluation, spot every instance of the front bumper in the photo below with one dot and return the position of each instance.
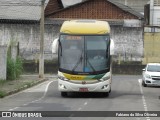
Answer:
(152, 82)
(66, 86)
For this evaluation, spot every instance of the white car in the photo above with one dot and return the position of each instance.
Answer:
(151, 75)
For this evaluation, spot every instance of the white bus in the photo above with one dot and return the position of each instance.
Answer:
(84, 52)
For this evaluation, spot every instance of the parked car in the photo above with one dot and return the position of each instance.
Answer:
(151, 75)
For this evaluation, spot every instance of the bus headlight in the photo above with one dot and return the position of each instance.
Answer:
(105, 78)
(62, 78)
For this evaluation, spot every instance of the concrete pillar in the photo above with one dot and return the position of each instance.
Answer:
(3, 62)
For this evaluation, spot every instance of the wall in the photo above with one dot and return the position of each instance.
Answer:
(128, 69)
(3, 62)
(52, 68)
(138, 5)
(128, 40)
(151, 44)
(28, 36)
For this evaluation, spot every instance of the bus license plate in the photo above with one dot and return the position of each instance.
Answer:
(83, 89)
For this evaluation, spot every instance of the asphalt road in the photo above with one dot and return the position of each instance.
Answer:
(127, 95)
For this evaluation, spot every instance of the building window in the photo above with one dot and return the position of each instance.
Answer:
(156, 2)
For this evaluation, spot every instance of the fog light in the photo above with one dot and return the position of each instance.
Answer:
(105, 87)
(148, 81)
(62, 86)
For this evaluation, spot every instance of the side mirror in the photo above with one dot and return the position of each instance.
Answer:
(112, 47)
(55, 45)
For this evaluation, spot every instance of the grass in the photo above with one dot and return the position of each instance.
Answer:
(2, 82)
(2, 94)
(14, 68)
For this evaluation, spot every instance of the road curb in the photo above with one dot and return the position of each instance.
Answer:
(25, 87)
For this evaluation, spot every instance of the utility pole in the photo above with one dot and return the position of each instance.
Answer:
(41, 58)
(126, 2)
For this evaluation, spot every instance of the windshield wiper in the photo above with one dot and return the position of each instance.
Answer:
(91, 65)
(78, 62)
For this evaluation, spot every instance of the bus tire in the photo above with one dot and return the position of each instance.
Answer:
(110, 90)
(105, 94)
(64, 94)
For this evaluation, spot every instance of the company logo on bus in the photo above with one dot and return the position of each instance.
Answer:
(76, 77)
(83, 82)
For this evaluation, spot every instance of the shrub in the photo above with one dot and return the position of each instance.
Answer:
(14, 68)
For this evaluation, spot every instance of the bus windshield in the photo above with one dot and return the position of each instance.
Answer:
(84, 54)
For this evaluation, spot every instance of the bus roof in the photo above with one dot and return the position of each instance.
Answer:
(85, 27)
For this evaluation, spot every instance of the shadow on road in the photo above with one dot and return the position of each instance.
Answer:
(86, 95)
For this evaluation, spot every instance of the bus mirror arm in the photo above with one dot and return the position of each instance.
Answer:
(108, 51)
(60, 45)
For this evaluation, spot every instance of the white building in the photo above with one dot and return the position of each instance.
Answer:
(154, 13)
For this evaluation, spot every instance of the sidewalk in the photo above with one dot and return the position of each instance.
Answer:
(25, 81)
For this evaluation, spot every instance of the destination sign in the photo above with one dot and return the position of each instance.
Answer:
(73, 37)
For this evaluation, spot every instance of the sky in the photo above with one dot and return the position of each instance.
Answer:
(70, 2)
